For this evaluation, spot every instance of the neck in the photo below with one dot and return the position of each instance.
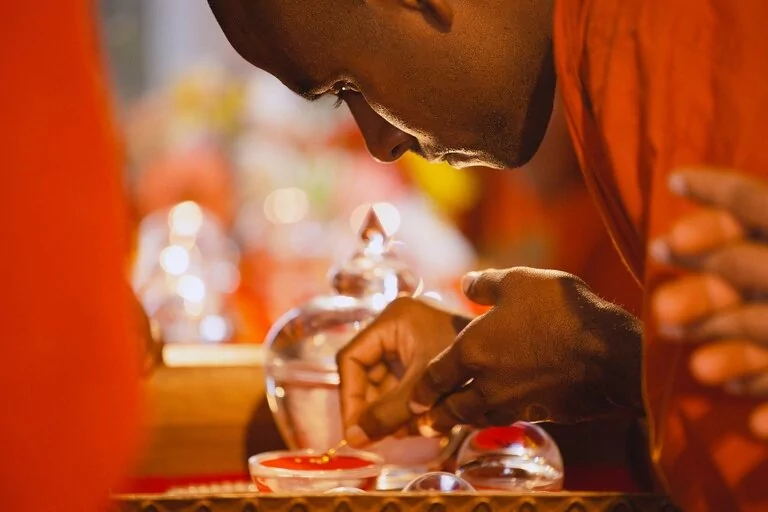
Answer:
(554, 168)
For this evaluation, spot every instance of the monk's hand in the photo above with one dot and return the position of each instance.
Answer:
(723, 304)
(381, 365)
(548, 349)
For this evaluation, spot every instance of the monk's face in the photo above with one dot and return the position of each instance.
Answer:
(466, 81)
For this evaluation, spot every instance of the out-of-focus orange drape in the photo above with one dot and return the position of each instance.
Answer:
(68, 355)
(649, 88)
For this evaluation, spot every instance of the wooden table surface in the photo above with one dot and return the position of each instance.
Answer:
(205, 420)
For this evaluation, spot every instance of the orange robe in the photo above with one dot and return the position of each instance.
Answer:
(650, 86)
(69, 350)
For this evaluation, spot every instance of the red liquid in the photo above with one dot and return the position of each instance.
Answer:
(501, 437)
(307, 463)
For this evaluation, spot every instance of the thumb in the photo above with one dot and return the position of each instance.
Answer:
(483, 287)
(381, 418)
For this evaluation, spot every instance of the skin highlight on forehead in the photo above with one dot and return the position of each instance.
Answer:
(248, 26)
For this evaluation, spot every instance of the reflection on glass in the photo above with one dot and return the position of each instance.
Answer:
(439, 482)
(302, 376)
(521, 457)
(185, 272)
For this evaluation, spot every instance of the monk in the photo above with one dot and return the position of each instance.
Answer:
(69, 387)
(666, 104)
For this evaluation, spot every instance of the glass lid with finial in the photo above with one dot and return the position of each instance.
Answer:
(374, 274)
(302, 376)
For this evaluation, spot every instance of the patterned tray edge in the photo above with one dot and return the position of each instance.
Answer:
(395, 502)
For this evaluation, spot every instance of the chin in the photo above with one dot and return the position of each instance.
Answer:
(463, 161)
(516, 157)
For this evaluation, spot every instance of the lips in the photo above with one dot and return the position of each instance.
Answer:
(452, 158)
(460, 161)
(447, 156)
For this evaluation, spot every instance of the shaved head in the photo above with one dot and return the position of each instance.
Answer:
(466, 81)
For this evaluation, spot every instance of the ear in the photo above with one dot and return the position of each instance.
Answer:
(438, 11)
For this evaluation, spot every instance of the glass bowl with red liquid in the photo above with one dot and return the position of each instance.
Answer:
(519, 458)
(302, 377)
(314, 472)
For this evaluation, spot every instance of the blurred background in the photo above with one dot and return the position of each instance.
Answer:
(243, 196)
(279, 186)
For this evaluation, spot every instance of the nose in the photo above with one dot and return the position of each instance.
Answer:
(386, 143)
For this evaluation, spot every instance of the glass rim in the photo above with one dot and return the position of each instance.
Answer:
(257, 469)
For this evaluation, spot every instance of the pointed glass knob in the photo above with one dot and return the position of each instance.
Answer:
(374, 270)
(373, 235)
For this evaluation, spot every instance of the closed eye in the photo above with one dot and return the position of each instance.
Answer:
(338, 90)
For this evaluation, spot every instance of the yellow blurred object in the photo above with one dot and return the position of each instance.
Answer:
(453, 191)
(215, 101)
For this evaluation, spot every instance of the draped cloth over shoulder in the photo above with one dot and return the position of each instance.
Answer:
(650, 86)
(68, 384)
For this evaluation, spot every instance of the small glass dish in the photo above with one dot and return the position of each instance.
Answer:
(439, 481)
(520, 458)
(311, 471)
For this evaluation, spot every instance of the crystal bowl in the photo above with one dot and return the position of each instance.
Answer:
(309, 471)
(521, 458)
(439, 481)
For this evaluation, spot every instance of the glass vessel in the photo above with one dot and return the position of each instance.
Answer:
(302, 376)
(439, 482)
(521, 457)
(186, 273)
(310, 471)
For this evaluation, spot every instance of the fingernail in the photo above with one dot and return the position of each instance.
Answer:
(424, 425)
(356, 437)
(673, 332)
(660, 251)
(677, 184)
(467, 280)
(417, 408)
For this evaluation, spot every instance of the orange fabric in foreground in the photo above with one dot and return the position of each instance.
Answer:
(650, 86)
(69, 353)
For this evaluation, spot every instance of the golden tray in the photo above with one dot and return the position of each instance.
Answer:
(398, 502)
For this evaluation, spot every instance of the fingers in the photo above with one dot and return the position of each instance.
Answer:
(444, 374)
(758, 422)
(364, 374)
(713, 241)
(355, 361)
(464, 407)
(382, 387)
(720, 363)
(381, 418)
(746, 198)
(691, 298)
(700, 232)
(742, 264)
(746, 322)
